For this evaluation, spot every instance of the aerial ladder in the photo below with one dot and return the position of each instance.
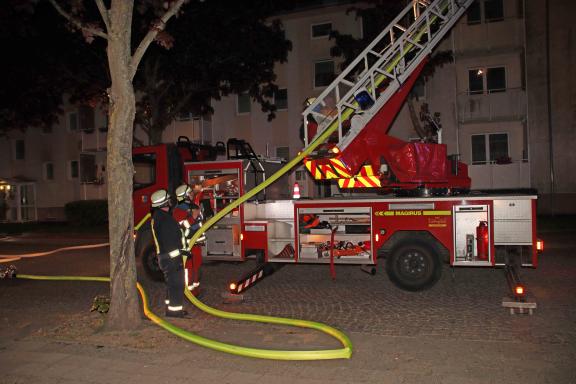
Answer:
(353, 115)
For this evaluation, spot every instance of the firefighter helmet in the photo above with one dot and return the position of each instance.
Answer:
(182, 192)
(160, 198)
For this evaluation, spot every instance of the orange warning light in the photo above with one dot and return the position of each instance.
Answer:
(519, 290)
(232, 286)
(540, 245)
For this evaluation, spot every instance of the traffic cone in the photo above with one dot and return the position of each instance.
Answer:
(296, 192)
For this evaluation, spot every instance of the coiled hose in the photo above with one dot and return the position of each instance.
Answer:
(343, 353)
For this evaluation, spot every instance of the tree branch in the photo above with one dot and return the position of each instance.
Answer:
(76, 22)
(104, 13)
(150, 36)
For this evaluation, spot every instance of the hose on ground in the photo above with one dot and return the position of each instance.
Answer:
(342, 353)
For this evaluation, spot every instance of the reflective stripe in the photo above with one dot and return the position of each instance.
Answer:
(178, 308)
(194, 285)
(155, 239)
(185, 223)
(174, 253)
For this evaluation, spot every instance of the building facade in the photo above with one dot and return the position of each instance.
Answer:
(506, 101)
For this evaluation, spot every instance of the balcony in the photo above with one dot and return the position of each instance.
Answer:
(508, 104)
(489, 37)
(500, 176)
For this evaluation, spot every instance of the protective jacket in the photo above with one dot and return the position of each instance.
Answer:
(182, 214)
(167, 234)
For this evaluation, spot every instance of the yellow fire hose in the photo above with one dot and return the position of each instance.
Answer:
(343, 353)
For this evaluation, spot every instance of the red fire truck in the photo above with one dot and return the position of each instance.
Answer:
(346, 126)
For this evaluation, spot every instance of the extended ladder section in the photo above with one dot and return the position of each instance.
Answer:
(371, 80)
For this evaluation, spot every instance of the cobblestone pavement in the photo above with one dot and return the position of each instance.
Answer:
(465, 304)
(456, 332)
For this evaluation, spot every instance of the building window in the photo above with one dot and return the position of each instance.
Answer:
(281, 99)
(474, 14)
(323, 73)
(490, 79)
(72, 121)
(243, 103)
(496, 79)
(487, 11)
(476, 81)
(321, 30)
(493, 10)
(490, 148)
(73, 169)
(283, 152)
(301, 175)
(88, 168)
(48, 171)
(19, 150)
(184, 116)
(86, 118)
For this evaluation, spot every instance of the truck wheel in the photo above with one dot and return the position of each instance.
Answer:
(149, 264)
(413, 266)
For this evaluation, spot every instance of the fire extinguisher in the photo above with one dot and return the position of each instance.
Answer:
(482, 240)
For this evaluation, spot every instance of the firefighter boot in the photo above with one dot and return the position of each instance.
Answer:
(180, 314)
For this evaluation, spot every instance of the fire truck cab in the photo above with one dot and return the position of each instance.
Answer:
(217, 181)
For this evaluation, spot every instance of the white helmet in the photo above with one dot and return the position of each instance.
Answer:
(160, 198)
(182, 192)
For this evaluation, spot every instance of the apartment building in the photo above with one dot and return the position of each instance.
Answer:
(43, 169)
(506, 105)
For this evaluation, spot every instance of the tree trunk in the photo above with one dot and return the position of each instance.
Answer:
(124, 311)
(155, 134)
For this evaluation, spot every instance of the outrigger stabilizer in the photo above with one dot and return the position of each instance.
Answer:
(254, 276)
(519, 302)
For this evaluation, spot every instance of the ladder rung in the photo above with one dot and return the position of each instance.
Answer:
(403, 29)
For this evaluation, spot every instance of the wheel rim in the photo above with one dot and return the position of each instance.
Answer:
(413, 264)
(152, 263)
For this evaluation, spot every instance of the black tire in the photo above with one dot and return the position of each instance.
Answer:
(413, 266)
(148, 264)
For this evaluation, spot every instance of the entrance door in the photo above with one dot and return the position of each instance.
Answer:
(27, 202)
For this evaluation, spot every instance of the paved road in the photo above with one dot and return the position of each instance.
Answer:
(456, 332)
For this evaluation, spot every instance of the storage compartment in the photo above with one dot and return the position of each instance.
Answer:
(472, 235)
(216, 185)
(278, 218)
(515, 209)
(513, 222)
(351, 227)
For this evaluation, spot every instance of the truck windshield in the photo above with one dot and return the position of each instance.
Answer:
(144, 170)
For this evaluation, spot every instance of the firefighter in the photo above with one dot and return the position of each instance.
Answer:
(189, 217)
(170, 247)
